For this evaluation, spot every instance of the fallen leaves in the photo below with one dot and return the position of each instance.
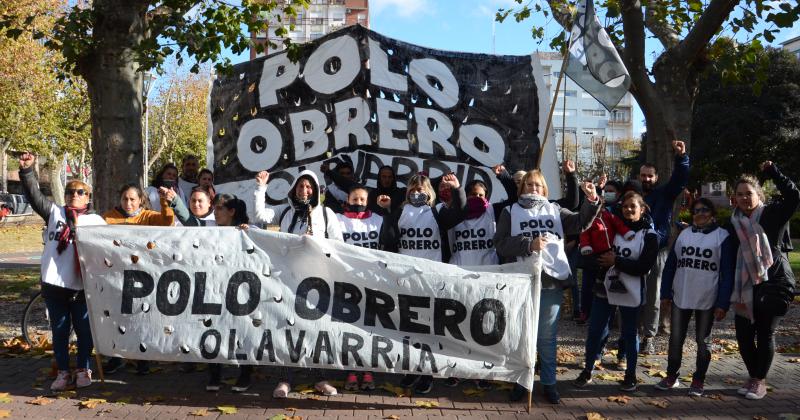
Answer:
(473, 392)
(227, 409)
(91, 403)
(304, 389)
(794, 360)
(686, 378)
(594, 416)
(714, 396)
(611, 376)
(39, 401)
(649, 364)
(4, 397)
(285, 417)
(426, 403)
(759, 418)
(657, 373)
(392, 417)
(396, 390)
(4, 414)
(658, 403)
(564, 357)
(619, 399)
(727, 346)
(200, 413)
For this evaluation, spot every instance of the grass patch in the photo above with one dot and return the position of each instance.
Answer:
(21, 238)
(18, 284)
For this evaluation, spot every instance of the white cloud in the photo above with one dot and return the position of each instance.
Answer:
(401, 8)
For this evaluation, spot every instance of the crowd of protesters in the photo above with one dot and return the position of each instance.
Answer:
(633, 274)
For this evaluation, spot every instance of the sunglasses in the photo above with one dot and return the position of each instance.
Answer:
(68, 192)
(701, 210)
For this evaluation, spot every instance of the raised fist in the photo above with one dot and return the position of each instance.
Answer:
(384, 201)
(679, 147)
(26, 160)
(262, 178)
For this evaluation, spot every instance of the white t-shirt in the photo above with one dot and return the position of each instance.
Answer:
(60, 269)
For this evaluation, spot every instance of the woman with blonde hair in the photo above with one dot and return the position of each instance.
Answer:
(62, 285)
(533, 224)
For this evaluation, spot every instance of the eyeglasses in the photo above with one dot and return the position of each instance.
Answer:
(69, 191)
(700, 210)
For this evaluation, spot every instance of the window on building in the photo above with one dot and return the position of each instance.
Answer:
(594, 112)
(568, 113)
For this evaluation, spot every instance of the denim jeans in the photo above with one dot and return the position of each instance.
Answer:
(587, 289)
(549, 307)
(703, 320)
(67, 310)
(596, 338)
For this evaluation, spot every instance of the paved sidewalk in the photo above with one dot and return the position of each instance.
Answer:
(169, 394)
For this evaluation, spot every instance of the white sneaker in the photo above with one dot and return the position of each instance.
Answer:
(83, 378)
(61, 382)
(281, 391)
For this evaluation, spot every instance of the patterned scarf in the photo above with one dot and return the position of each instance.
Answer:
(752, 260)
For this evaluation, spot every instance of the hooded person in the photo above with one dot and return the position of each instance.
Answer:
(303, 214)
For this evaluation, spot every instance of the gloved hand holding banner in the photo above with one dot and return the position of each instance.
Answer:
(223, 295)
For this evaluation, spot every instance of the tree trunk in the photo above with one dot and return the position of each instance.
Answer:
(115, 91)
(56, 187)
(3, 167)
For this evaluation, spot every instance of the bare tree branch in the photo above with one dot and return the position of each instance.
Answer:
(633, 53)
(709, 23)
(668, 36)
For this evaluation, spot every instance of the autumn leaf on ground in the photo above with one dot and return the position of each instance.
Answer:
(4, 414)
(715, 357)
(474, 392)
(658, 403)
(564, 357)
(91, 403)
(392, 417)
(200, 413)
(227, 409)
(650, 365)
(66, 394)
(714, 396)
(594, 416)
(39, 401)
(4, 397)
(794, 360)
(426, 404)
(396, 390)
(657, 373)
(611, 376)
(687, 378)
(304, 389)
(619, 399)
(730, 381)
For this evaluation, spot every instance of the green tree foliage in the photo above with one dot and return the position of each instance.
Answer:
(736, 127)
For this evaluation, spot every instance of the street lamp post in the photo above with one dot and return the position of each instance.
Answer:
(147, 83)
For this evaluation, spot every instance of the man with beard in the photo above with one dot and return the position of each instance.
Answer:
(660, 199)
(190, 166)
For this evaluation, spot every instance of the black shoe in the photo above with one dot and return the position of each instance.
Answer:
(629, 384)
(409, 380)
(424, 385)
(583, 379)
(112, 365)
(243, 382)
(142, 367)
(452, 382)
(551, 394)
(484, 384)
(518, 393)
(214, 378)
(616, 286)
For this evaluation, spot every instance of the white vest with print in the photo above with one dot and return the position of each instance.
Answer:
(632, 250)
(362, 232)
(471, 241)
(60, 269)
(419, 233)
(533, 223)
(698, 268)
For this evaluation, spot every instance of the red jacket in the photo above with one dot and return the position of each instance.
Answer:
(600, 235)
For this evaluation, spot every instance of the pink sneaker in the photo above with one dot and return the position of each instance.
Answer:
(745, 388)
(83, 378)
(351, 384)
(62, 381)
(758, 390)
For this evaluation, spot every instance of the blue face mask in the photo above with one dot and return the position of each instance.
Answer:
(418, 199)
(610, 197)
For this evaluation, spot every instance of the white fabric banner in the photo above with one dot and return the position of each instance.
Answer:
(223, 295)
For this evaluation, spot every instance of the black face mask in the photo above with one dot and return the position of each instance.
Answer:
(356, 208)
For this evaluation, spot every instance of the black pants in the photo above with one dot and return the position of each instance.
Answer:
(703, 320)
(757, 342)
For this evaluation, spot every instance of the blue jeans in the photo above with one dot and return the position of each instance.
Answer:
(587, 289)
(67, 310)
(599, 320)
(549, 307)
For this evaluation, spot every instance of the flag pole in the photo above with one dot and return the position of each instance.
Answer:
(553, 104)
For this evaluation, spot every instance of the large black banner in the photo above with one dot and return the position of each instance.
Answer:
(360, 96)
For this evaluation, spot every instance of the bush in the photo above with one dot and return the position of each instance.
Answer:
(723, 216)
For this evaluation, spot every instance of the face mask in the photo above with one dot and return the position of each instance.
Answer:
(476, 206)
(610, 197)
(418, 199)
(529, 200)
(356, 208)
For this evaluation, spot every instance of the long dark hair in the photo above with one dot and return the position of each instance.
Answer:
(139, 192)
(231, 202)
(158, 180)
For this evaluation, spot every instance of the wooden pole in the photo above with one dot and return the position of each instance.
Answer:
(530, 400)
(99, 363)
(553, 104)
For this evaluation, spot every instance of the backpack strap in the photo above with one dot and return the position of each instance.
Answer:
(325, 218)
(283, 213)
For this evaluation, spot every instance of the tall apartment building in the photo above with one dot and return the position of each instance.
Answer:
(589, 129)
(321, 17)
(792, 46)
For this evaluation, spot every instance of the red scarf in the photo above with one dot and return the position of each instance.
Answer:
(358, 215)
(68, 233)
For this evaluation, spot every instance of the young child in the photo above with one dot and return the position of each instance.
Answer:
(598, 239)
(361, 227)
